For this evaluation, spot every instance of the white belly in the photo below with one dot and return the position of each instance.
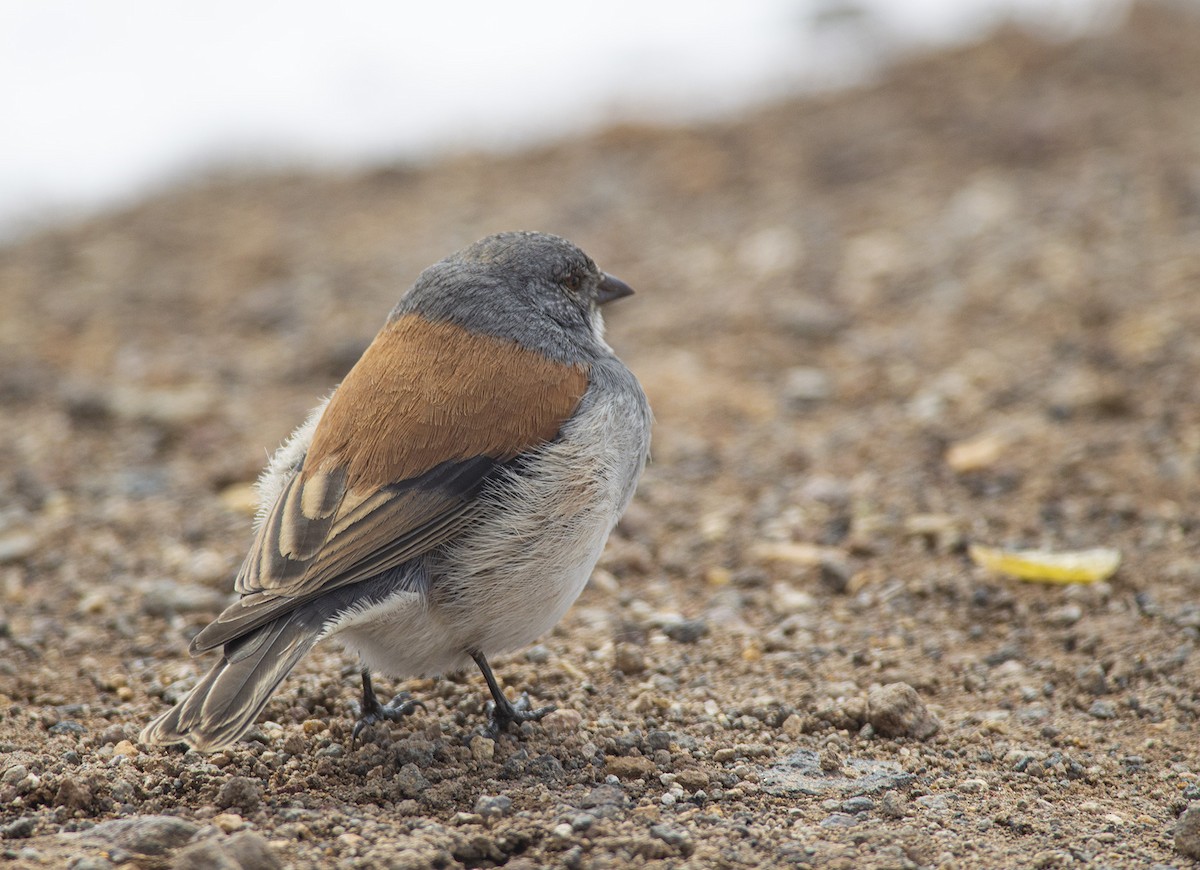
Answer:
(511, 576)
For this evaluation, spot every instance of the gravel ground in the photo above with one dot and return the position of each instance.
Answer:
(959, 305)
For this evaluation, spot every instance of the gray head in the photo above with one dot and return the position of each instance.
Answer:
(534, 288)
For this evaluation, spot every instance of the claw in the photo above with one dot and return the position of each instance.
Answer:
(500, 716)
(372, 712)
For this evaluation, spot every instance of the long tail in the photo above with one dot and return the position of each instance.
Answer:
(223, 706)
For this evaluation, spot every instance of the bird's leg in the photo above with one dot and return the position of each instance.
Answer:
(501, 711)
(372, 711)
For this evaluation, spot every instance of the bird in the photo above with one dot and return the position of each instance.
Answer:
(447, 503)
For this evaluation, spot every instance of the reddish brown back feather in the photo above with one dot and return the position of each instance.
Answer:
(418, 382)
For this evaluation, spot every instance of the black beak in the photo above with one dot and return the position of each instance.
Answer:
(611, 288)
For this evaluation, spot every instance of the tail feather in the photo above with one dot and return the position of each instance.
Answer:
(224, 705)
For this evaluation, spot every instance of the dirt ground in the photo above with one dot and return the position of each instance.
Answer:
(958, 305)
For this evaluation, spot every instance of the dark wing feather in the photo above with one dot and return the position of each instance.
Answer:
(377, 533)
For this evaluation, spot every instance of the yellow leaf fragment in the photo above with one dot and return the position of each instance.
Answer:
(1044, 566)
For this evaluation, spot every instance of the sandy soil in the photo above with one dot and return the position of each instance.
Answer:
(957, 306)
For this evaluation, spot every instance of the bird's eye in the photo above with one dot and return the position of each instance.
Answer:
(572, 281)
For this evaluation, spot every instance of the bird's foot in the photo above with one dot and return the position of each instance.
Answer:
(371, 711)
(501, 715)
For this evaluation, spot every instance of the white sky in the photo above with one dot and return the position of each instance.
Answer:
(100, 99)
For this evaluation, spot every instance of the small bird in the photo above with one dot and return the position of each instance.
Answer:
(447, 502)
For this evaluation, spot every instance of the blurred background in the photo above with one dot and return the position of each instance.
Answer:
(102, 101)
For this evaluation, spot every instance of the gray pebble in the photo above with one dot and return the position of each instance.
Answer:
(240, 792)
(686, 630)
(67, 726)
(659, 740)
(537, 655)
(1102, 710)
(410, 781)
(860, 804)
(252, 851)
(165, 598)
(20, 829)
(144, 835)
(493, 806)
(672, 835)
(1187, 832)
(91, 862)
(804, 386)
(208, 854)
(582, 822)
(896, 710)
(839, 820)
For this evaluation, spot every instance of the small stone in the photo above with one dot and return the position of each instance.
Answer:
(793, 725)
(972, 786)
(241, 792)
(484, 748)
(537, 655)
(630, 766)
(582, 822)
(411, 782)
(1187, 832)
(92, 862)
(628, 659)
(893, 805)
(493, 806)
(896, 710)
(145, 835)
(1102, 710)
(670, 834)
(208, 854)
(685, 630)
(252, 851)
(165, 598)
(67, 726)
(692, 778)
(1092, 679)
(659, 739)
(228, 822)
(15, 546)
(19, 829)
(804, 386)
(73, 795)
(562, 721)
(839, 820)
(124, 747)
(860, 804)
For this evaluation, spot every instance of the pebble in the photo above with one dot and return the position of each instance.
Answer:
(685, 630)
(19, 829)
(801, 773)
(972, 786)
(672, 835)
(15, 546)
(493, 806)
(893, 805)
(860, 804)
(144, 835)
(630, 766)
(839, 820)
(73, 794)
(804, 386)
(91, 862)
(1102, 709)
(165, 598)
(628, 659)
(411, 782)
(240, 792)
(484, 748)
(1187, 832)
(896, 710)
(562, 721)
